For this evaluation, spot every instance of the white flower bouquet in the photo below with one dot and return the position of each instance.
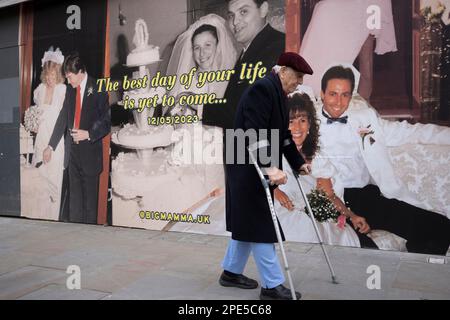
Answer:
(432, 10)
(32, 118)
(323, 209)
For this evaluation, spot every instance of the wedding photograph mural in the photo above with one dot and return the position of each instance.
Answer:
(160, 83)
(170, 176)
(393, 57)
(57, 33)
(155, 187)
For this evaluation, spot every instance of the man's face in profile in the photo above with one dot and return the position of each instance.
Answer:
(290, 79)
(246, 20)
(75, 79)
(337, 97)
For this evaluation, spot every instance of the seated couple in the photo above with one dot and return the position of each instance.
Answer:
(346, 143)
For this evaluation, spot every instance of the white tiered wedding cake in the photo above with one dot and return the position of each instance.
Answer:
(140, 135)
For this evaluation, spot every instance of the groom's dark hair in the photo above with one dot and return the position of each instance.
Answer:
(74, 64)
(258, 2)
(338, 72)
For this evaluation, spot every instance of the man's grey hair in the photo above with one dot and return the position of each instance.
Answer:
(276, 68)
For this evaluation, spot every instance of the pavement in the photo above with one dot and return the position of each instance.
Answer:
(41, 260)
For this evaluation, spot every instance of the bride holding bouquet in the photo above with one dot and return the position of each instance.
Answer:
(49, 98)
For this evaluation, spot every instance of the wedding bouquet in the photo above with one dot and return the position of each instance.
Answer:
(432, 10)
(32, 118)
(322, 207)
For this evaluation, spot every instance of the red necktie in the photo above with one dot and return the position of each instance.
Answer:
(76, 123)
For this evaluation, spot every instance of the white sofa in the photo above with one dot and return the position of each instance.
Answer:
(425, 171)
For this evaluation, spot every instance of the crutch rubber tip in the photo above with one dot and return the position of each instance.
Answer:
(333, 279)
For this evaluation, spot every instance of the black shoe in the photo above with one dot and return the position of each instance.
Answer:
(238, 281)
(278, 293)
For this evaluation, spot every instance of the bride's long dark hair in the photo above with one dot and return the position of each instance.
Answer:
(301, 104)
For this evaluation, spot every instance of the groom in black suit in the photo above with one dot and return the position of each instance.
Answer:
(84, 120)
(247, 20)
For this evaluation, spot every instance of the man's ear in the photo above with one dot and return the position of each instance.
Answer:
(322, 95)
(282, 72)
(264, 9)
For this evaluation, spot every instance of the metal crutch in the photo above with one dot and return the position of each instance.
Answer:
(308, 207)
(275, 222)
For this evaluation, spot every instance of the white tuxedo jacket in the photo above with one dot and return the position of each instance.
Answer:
(375, 153)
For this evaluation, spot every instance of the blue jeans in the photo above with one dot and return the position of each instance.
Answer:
(265, 258)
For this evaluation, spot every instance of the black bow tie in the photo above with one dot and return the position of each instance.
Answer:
(330, 120)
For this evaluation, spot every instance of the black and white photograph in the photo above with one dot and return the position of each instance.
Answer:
(155, 168)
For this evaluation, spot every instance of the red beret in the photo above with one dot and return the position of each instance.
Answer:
(294, 61)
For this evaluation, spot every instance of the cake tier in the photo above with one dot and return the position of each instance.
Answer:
(151, 137)
(132, 177)
(155, 185)
(141, 57)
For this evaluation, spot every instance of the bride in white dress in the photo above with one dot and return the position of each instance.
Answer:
(49, 97)
(289, 203)
(208, 46)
